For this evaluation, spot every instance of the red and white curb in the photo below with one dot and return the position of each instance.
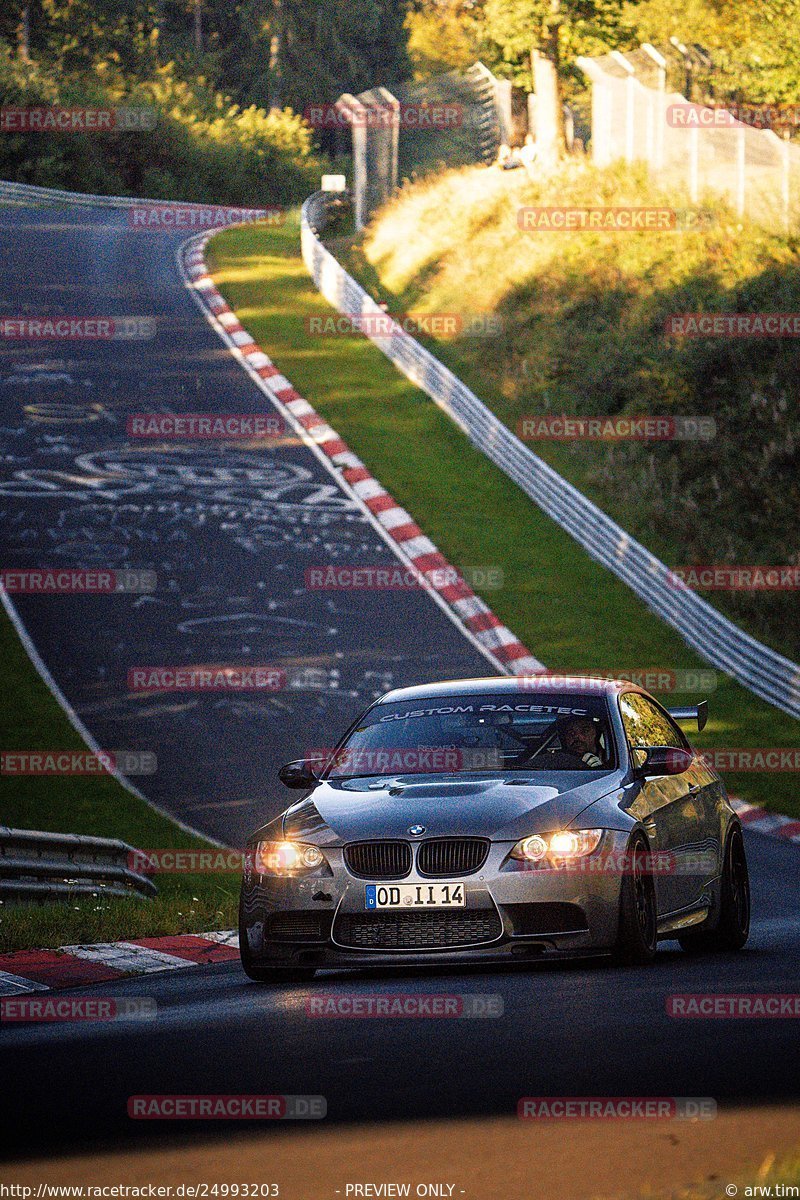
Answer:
(78, 966)
(397, 527)
(760, 820)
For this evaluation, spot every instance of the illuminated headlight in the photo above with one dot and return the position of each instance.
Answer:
(287, 858)
(563, 845)
(530, 849)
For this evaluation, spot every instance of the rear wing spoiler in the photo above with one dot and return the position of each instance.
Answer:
(694, 712)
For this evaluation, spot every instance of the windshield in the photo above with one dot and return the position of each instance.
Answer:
(485, 733)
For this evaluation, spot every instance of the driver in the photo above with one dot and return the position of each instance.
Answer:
(579, 737)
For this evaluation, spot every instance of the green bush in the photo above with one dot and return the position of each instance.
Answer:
(202, 148)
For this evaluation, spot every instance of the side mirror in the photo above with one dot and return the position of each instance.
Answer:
(299, 774)
(662, 760)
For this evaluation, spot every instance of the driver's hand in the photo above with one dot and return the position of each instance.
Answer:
(591, 760)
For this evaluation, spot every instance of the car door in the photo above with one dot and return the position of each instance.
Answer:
(671, 806)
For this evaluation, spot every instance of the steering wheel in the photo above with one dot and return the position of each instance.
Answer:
(576, 758)
(566, 760)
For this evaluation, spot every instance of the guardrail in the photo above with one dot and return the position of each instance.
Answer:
(32, 194)
(36, 867)
(27, 192)
(716, 638)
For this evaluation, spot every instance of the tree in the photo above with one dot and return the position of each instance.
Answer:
(535, 42)
(295, 53)
(511, 28)
(84, 32)
(24, 33)
(198, 27)
(754, 47)
(443, 35)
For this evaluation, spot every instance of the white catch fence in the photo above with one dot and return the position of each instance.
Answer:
(730, 151)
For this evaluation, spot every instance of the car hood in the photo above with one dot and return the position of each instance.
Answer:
(504, 807)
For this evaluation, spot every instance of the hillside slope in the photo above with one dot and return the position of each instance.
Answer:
(582, 332)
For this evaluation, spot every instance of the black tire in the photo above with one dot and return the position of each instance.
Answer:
(638, 912)
(733, 927)
(274, 975)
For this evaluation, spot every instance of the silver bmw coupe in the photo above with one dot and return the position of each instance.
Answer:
(497, 820)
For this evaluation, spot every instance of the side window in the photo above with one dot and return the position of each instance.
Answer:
(646, 725)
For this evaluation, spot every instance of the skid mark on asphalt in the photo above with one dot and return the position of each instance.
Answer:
(229, 530)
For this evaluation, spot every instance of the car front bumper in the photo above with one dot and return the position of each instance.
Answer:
(510, 915)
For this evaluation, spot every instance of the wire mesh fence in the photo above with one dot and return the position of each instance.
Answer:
(692, 145)
(454, 119)
(464, 125)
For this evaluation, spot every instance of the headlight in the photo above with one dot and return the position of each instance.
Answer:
(287, 858)
(562, 846)
(530, 849)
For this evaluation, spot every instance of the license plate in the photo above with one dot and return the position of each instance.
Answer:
(415, 895)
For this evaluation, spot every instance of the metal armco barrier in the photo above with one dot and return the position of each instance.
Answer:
(36, 867)
(32, 194)
(717, 639)
(29, 193)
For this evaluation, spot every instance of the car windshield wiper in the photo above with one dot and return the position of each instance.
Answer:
(404, 774)
(380, 775)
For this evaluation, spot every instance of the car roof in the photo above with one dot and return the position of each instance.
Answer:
(502, 684)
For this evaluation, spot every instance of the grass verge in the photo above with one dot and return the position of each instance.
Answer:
(32, 719)
(581, 329)
(568, 610)
(772, 1179)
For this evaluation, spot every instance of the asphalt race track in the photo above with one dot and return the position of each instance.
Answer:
(228, 530)
(229, 533)
(576, 1029)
